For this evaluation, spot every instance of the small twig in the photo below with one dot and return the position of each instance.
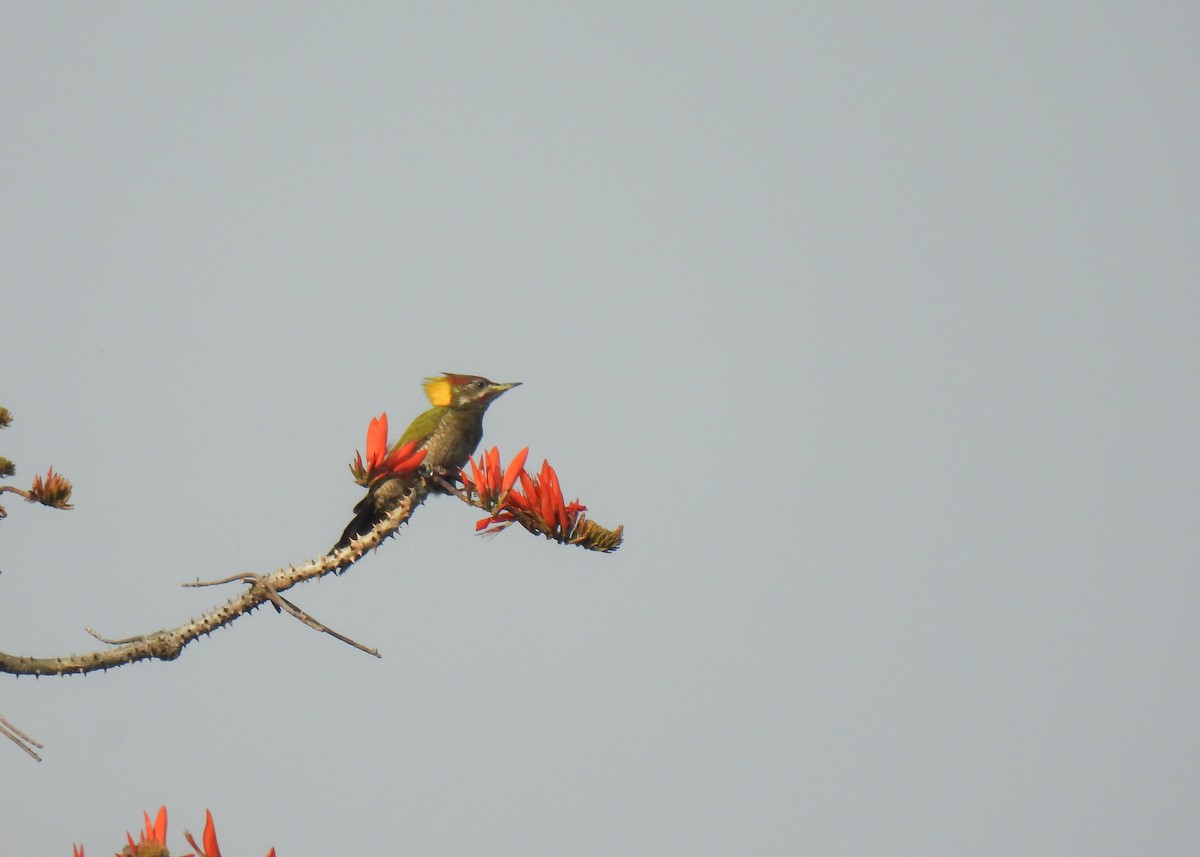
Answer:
(282, 605)
(308, 620)
(244, 577)
(26, 743)
(126, 641)
(451, 488)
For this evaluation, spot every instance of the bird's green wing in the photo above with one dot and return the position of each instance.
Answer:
(421, 428)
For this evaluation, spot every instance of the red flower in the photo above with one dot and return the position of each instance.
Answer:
(538, 505)
(488, 481)
(541, 497)
(153, 839)
(381, 462)
(211, 848)
(377, 433)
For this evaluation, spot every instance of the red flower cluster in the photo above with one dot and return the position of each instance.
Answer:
(381, 461)
(537, 505)
(151, 843)
(211, 848)
(153, 840)
(491, 484)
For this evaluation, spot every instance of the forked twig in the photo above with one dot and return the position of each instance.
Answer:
(26, 743)
(282, 605)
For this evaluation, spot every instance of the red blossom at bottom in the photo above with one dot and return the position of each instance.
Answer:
(152, 841)
(211, 848)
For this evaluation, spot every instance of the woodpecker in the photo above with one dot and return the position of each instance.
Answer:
(448, 432)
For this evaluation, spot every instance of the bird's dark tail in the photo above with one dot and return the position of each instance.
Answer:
(366, 516)
(381, 499)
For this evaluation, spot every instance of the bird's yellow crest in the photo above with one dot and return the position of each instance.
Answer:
(439, 391)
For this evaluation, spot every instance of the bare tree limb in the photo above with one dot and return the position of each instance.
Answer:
(168, 643)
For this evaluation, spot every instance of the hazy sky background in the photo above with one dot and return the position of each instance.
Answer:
(875, 324)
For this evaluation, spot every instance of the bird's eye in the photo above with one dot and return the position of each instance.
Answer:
(479, 383)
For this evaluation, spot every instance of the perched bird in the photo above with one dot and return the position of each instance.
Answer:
(448, 433)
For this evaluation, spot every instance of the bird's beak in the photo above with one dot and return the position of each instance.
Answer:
(504, 388)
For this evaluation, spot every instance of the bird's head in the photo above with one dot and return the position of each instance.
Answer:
(462, 391)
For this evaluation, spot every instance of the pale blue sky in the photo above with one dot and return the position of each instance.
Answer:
(874, 324)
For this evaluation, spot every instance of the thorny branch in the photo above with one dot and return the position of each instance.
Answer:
(282, 605)
(168, 643)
